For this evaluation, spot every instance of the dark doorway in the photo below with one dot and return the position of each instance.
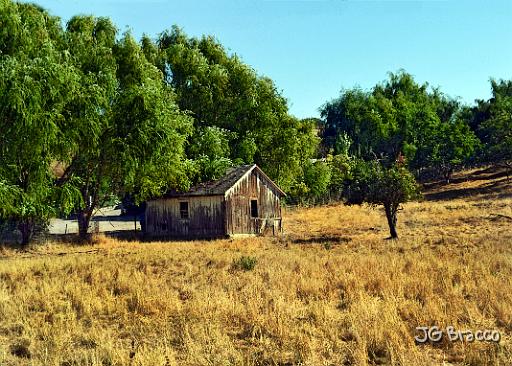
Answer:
(254, 208)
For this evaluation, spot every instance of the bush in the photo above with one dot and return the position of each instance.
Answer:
(245, 263)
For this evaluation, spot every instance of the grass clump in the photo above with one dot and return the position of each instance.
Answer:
(245, 263)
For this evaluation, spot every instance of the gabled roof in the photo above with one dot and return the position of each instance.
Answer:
(222, 185)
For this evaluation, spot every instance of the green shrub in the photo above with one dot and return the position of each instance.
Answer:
(245, 263)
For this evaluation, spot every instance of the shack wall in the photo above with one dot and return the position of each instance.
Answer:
(205, 217)
(238, 207)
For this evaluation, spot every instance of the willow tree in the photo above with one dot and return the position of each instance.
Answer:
(128, 135)
(89, 41)
(221, 91)
(36, 82)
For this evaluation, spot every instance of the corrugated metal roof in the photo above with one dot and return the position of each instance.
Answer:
(221, 185)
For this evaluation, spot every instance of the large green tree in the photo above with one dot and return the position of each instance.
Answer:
(453, 143)
(493, 121)
(209, 153)
(400, 117)
(128, 135)
(36, 83)
(221, 91)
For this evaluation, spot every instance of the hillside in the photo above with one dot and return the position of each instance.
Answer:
(332, 291)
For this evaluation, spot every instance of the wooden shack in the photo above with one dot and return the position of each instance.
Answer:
(245, 201)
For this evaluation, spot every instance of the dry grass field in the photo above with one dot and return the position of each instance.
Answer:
(332, 291)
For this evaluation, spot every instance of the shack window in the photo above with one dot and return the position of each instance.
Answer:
(184, 210)
(254, 208)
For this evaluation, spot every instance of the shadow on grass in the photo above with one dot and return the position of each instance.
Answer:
(125, 235)
(490, 173)
(322, 239)
(493, 190)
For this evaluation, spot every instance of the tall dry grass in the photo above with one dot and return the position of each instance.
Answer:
(332, 292)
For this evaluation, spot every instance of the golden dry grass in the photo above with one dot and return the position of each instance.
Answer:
(332, 292)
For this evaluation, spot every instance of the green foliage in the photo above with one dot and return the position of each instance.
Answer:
(211, 141)
(91, 102)
(315, 183)
(342, 167)
(67, 197)
(109, 110)
(299, 193)
(138, 118)
(496, 123)
(342, 144)
(245, 149)
(150, 130)
(132, 135)
(399, 117)
(356, 187)
(373, 183)
(221, 91)
(207, 169)
(318, 177)
(8, 198)
(36, 83)
(210, 151)
(456, 143)
(245, 263)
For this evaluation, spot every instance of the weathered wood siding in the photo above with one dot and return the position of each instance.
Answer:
(206, 217)
(238, 207)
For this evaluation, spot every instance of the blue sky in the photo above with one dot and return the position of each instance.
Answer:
(313, 48)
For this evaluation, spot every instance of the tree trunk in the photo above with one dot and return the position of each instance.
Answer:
(84, 219)
(391, 212)
(448, 174)
(26, 227)
(90, 197)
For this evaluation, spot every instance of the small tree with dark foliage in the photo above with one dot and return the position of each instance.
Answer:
(375, 184)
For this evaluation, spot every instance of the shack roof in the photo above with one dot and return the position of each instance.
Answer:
(223, 184)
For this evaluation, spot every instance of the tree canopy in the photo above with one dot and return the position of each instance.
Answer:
(492, 120)
(221, 91)
(87, 114)
(377, 184)
(121, 117)
(36, 83)
(398, 117)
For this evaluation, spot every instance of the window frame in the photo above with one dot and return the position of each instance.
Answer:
(184, 212)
